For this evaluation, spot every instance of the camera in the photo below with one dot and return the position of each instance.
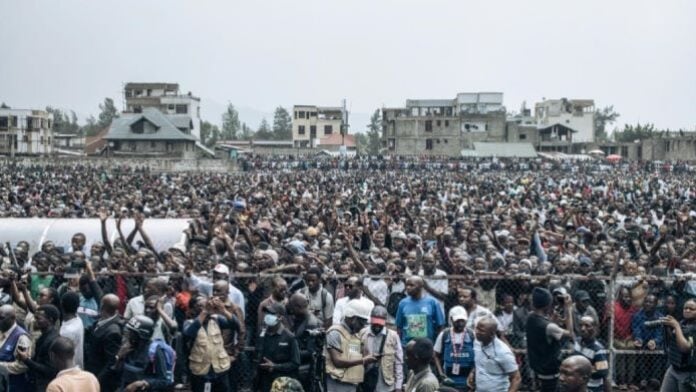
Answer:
(653, 323)
(317, 332)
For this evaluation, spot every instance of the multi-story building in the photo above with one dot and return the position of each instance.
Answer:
(150, 133)
(25, 132)
(443, 126)
(312, 123)
(166, 98)
(575, 114)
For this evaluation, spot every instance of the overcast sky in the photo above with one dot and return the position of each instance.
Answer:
(639, 56)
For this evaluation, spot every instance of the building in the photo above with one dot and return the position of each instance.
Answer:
(166, 98)
(69, 143)
(26, 132)
(312, 123)
(576, 114)
(151, 133)
(444, 127)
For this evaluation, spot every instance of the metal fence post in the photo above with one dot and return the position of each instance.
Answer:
(610, 338)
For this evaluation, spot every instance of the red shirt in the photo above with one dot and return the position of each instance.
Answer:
(622, 321)
(121, 292)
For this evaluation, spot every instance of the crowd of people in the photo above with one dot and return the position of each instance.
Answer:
(370, 275)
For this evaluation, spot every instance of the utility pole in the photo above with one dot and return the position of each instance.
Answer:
(344, 125)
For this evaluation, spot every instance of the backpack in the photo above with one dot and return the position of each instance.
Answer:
(393, 302)
(169, 355)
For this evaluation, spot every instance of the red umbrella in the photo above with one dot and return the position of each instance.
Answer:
(613, 158)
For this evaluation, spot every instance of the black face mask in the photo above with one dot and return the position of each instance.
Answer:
(377, 329)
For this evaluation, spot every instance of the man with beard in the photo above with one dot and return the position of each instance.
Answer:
(575, 372)
(418, 315)
(387, 374)
(353, 289)
(41, 371)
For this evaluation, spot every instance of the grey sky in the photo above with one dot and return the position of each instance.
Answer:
(638, 55)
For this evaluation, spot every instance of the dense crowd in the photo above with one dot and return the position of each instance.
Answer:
(364, 274)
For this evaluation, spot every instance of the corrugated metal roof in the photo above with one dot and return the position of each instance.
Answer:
(120, 128)
(506, 150)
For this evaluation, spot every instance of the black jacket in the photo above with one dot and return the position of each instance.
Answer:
(40, 370)
(101, 348)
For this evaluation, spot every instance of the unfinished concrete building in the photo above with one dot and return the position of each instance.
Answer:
(443, 127)
(26, 132)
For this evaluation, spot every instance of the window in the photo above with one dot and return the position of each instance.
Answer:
(445, 140)
(4, 122)
(439, 123)
(523, 136)
(301, 129)
(49, 140)
(181, 109)
(25, 138)
(129, 93)
(428, 126)
(295, 114)
(152, 145)
(302, 114)
(328, 129)
(447, 123)
(149, 92)
(41, 140)
(13, 121)
(137, 109)
(428, 144)
(312, 131)
(170, 106)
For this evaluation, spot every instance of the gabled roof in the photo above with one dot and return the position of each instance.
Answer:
(549, 126)
(120, 128)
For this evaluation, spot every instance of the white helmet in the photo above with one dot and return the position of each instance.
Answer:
(358, 308)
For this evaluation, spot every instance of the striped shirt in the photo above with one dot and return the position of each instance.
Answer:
(595, 352)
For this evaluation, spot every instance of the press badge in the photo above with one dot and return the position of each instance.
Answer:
(455, 369)
(207, 387)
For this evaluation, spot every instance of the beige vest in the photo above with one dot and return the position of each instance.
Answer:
(351, 349)
(208, 350)
(386, 364)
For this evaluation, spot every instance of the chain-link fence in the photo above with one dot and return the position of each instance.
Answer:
(608, 316)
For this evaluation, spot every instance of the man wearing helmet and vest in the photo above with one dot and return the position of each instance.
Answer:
(454, 350)
(146, 364)
(386, 375)
(344, 351)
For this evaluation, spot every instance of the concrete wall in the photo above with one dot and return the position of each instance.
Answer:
(154, 164)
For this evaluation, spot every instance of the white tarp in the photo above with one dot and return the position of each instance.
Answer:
(163, 232)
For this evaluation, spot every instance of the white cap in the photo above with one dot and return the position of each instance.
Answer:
(358, 308)
(458, 313)
(222, 269)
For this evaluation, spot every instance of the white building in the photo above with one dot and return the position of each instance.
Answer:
(166, 98)
(25, 132)
(576, 114)
(311, 123)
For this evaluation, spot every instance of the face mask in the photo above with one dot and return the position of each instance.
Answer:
(270, 320)
(376, 329)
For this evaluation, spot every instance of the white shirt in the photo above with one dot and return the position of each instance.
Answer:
(75, 331)
(475, 315)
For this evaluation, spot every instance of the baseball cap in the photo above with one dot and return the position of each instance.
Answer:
(458, 313)
(222, 269)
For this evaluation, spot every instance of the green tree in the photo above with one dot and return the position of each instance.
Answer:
(282, 124)
(91, 127)
(107, 113)
(230, 123)
(603, 117)
(264, 132)
(361, 142)
(247, 133)
(374, 142)
(210, 133)
(631, 133)
(63, 122)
